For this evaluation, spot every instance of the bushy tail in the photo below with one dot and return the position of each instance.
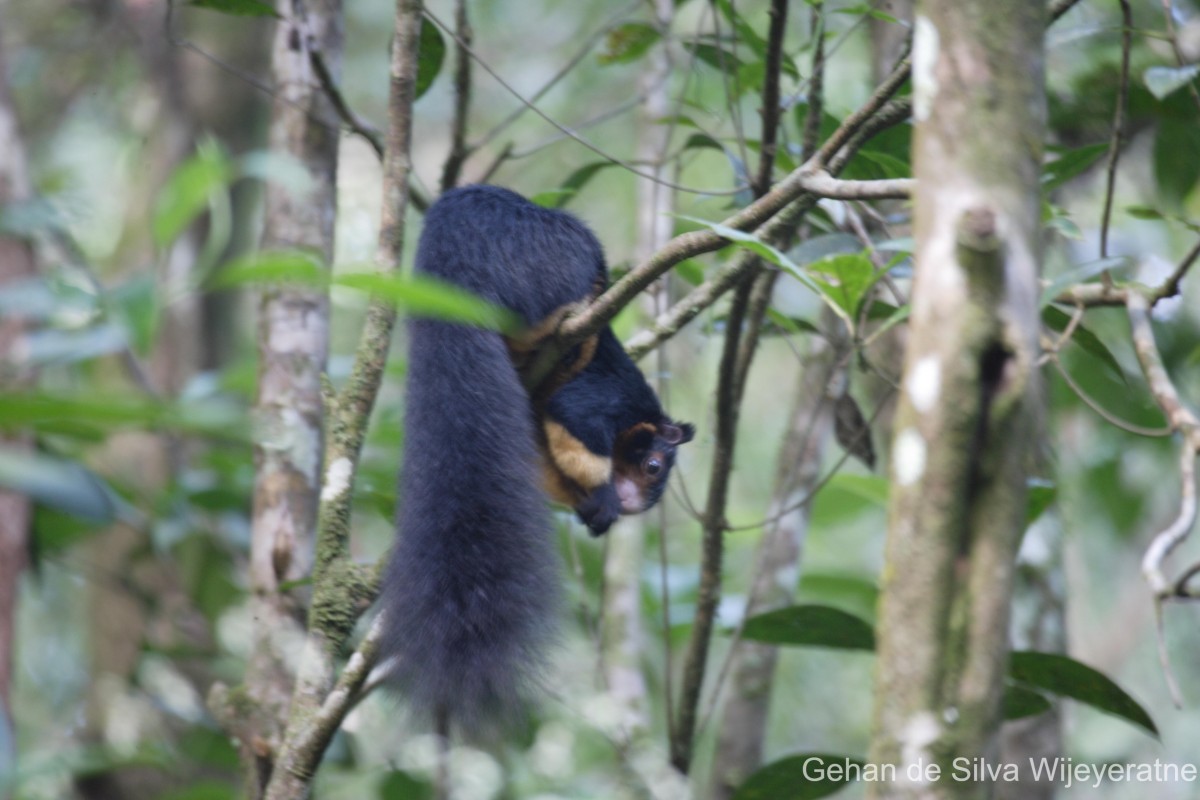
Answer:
(470, 595)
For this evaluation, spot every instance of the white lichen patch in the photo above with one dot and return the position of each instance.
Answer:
(916, 739)
(337, 480)
(926, 44)
(924, 383)
(909, 457)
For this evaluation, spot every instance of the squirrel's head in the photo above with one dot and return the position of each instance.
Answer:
(642, 461)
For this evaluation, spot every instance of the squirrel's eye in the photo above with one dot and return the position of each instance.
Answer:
(653, 466)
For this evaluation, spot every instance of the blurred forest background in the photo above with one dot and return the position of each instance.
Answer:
(131, 370)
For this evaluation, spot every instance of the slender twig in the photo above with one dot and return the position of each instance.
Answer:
(1118, 126)
(1164, 655)
(1165, 394)
(816, 86)
(356, 123)
(603, 116)
(245, 77)
(1051, 349)
(564, 129)
(500, 158)
(353, 121)
(584, 49)
(1174, 534)
(1170, 287)
(462, 98)
(1181, 420)
(713, 542)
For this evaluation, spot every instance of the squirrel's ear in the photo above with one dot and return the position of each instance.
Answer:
(676, 433)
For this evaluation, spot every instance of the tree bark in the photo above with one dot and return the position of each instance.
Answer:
(960, 454)
(293, 339)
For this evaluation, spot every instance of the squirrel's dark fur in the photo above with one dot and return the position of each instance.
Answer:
(471, 592)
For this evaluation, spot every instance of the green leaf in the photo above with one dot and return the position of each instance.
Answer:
(769, 253)
(52, 346)
(691, 271)
(805, 776)
(54, 531)
(58, 413)
(853, 593)
(239, 8)
(1145, 212)
(716, 57)
(811, 626)
(846, 496)
(851, 275)
(578, 179)
(792, 325)
(1081, 274)
(1071, 163)
(891, 315)
(273, 266)
(1162, 81)
(1057, 320)
(136, 301)
(870, 488)
(888, 165)
(551, 198)
(1176, 157)
(1040, 497)
(1065, 676)
(424, 296)
(277, 167)
(27, 218)
(701, 141)
(431, 52)
(210, 747)
(203, 790)
(188, 190)
(1020, 702)
(823, 246)
(402, 786)
(66, 486)
(206, 573)
(867, 11)
(745, 34)
(628, 42)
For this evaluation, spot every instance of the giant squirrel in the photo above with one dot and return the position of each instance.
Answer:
(470, 594)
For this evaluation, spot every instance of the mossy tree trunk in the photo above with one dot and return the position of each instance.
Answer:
(966, 416)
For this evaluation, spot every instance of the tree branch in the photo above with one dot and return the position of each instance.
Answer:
(725, 278)
(1182, 420)
(1114, 146)
(462, 98)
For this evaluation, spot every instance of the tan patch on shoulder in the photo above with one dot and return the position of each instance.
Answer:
(572, 457)
(556, 485)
